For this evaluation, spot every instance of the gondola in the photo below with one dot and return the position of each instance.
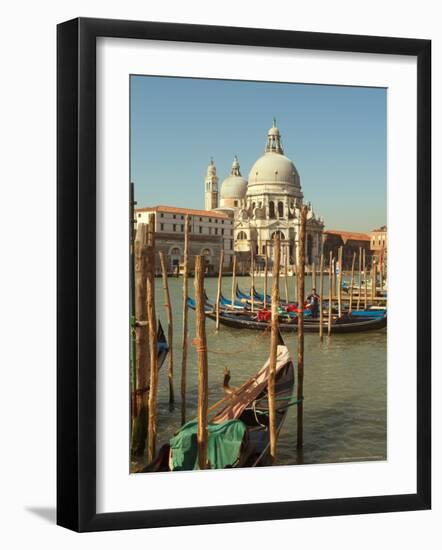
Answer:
(344, 324)
(245, 412)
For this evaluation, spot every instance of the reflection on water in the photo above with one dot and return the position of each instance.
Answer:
(345, 382)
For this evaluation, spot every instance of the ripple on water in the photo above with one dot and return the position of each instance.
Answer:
(345, 384)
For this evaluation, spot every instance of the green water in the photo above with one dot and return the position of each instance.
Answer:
(345, 381)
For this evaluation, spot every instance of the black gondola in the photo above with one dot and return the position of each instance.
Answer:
(248, 404)
(344, 324)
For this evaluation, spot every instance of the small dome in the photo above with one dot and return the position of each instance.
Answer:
(234, 187)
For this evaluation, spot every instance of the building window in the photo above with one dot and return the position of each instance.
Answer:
(242, 236)
(263, 248)
(201, 229)
(201, 219)
(280, 210)
(182, 228)
(216, 221)
(222, 231)
(210, 220)
(174, 216)
(272, 210)
(276, 233)
(235, 203)
(231, 244)
(182, 217)
(161, 215)
(222, 221)
(162, 226)
(174, 227)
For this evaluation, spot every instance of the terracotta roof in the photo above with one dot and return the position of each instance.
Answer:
(190, 211)
(348, 235)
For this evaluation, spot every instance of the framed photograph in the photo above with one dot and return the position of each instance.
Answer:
(239, 213)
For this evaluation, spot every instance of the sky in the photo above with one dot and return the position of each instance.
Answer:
(335, 135)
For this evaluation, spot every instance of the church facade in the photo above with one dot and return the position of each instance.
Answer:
(265, 204)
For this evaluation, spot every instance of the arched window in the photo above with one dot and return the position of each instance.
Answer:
(272, 214)
(175, 252)
(276, 233)
(242, 236)
(205, 252)
(280, 209)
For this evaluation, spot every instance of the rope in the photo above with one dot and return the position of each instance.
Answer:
(197, 345)
(286, 406)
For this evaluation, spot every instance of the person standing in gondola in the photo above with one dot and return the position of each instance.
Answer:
(313, 303)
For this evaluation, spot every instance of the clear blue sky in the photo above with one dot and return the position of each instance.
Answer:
(335, 135)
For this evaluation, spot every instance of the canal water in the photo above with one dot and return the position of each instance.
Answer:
(345, 380)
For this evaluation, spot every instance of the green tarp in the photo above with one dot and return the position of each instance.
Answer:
(223, 445)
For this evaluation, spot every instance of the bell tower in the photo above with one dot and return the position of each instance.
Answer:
(211, 187)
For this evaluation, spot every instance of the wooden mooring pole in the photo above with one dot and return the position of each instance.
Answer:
(233, 281)
(139, 429)
(274, 347)
(301, 294)
(350, 305)
(321, 297)
(185, 321)
(330, 294)
(358, 306)
(373, 279)
(266, 274)
(381, 269)
(286, 276)
(364, 268)
(168, 307)
(201, 349)
(153, 351)
(218, 290)
(340, 282)
(252, 276)
(314, 275)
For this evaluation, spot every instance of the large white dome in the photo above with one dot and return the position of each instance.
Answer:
(274, 172)
(273, 169)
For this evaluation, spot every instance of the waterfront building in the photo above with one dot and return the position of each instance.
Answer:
(379, 245)
(266, 204)
(209, 232)
(351, 242)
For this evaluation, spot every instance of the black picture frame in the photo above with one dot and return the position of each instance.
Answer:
(76, 273)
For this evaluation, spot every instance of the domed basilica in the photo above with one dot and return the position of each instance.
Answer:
(266, 204)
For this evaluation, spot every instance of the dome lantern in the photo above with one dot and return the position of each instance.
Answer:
(274, 140)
